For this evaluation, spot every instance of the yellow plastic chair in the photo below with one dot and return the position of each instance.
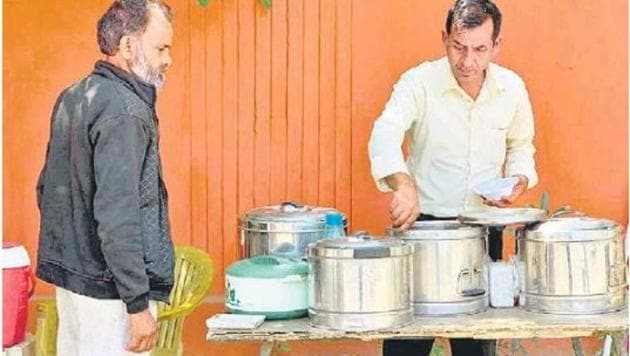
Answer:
(194, 273)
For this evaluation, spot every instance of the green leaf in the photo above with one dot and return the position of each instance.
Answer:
(577, 346)
(544, 202)
(266, 3)
(437, 350)
(203, 3)
(284, 347)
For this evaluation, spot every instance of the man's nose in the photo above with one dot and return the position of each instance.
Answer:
(467, 60)
(167, 61)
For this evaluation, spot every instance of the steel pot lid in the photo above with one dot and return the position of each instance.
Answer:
(359, 247)
(287, 217)
(491, 216)
(267, 267)
(574, 229)
(438, 230)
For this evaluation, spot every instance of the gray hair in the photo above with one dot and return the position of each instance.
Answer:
(124, 18)
(467, 14)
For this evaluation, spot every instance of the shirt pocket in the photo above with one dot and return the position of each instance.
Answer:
(494, 142)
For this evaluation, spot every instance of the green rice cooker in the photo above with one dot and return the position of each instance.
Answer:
(276, 287)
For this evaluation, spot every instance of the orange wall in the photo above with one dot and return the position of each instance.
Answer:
(264, 106)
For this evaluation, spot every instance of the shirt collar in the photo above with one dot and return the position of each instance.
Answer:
(491, 83)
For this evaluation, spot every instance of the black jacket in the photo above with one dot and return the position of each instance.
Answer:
(104, 228)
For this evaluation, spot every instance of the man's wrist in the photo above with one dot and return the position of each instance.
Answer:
(398, 181)
(522, 179)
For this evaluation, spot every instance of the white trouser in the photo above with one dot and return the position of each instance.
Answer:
(93, 327)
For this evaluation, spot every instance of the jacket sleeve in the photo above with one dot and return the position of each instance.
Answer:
(119, 149)
(39, 189)
(40, 183)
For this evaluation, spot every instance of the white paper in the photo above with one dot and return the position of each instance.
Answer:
(496, 189)
(234, 321)
(503, 284)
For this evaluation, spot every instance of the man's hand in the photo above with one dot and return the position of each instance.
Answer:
(404, 208)
(142, 331)
(519, 188)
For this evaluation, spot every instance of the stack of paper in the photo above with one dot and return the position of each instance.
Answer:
(234, 321)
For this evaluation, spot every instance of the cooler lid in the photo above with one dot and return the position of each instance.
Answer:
(14, 256)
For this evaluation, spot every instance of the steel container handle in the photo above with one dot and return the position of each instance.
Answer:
(289, 206)
(570, 212)
(471, 292)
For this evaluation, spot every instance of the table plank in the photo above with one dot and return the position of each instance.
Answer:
(506, 323)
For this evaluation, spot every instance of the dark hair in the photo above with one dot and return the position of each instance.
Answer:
(123, 18)
(467, 14)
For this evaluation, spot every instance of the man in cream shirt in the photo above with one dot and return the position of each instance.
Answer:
(467, 121)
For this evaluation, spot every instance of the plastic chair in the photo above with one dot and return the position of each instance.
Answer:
(46, 334)
(194, 273)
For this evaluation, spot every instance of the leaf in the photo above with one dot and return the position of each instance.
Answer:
(544, 202)
(284, 347)
(577, 346)
(437, 350)
(203, 3)
(266, 3)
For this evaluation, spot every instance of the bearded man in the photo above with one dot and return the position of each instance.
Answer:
(104, 234)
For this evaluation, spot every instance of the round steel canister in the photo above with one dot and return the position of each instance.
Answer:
(360, 283)
(449, 267)
(282, 230)
(573, 266)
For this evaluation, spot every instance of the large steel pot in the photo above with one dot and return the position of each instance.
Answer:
(360, 283)
(573, 266)
(449, 266)
(283, 230)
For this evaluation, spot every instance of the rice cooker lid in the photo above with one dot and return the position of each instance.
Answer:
(574, 229)
(359, 247)
(268, 267)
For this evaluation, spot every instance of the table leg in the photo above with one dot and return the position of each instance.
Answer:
(266, 349)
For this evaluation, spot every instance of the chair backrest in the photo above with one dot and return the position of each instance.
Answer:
(194, 273)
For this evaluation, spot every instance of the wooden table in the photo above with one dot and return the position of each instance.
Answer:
(508, 323)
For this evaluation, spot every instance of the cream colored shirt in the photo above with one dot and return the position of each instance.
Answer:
(455, 142)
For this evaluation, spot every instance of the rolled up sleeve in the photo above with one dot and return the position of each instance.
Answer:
(388, 132)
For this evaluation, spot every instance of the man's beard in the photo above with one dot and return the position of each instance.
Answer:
(144, 71)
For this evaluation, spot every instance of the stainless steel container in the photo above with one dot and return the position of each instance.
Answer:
(449, 267)
(360, 283)
(282, 230)
(573, 266)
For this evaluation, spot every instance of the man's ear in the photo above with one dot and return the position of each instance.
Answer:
(444, 37)
(127, 47)
(497, 46)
